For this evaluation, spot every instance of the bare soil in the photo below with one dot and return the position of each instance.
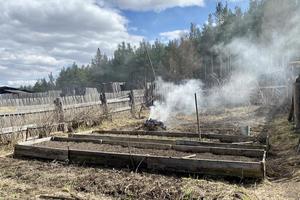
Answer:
(224, 121)
(133, 150)
(160, 137)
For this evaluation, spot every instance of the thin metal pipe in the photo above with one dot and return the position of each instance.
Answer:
(198, 123)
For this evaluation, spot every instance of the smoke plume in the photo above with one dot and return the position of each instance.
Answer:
(253, 60)
(176, 99)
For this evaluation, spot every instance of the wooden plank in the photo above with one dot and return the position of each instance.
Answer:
(35, 111)
(254, 153)
(212, 167)
(215, 144)
(145, 145)
(168, 164)
(120, 138)
(221, 137)
(118, 160)
(157, 163)
(190, 156)
(168, 141)
(35, 141)
(40, 152)
(82, 105)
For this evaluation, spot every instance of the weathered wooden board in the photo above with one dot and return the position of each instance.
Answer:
(119, 137)
(144, 145)
(221, 137)
(148, 144)
(40, 152)
(254, 153)
(212, 167)
(122, 138)
(215, 144)
(138, 162)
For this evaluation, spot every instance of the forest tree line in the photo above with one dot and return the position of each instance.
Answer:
(191, 56)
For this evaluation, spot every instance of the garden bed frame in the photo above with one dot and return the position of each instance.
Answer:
(150, 162)
(221, 137)
(192, 141)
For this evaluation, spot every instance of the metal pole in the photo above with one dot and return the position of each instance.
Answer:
(150, 61)
(198, 124)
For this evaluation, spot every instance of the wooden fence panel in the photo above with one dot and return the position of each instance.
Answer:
(41, 111)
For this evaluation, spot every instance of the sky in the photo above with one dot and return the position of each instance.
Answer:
(38, 37)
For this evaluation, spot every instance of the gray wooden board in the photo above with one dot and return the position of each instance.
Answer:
(167, 141)
(160, 163)
(228, 145)
(221, 137)
(167, 164)
(212, 167)
(121, 138)
(144, 145)
(40, 152)
(35, 141)
(254, 153)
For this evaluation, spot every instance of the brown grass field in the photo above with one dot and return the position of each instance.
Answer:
(34, 179)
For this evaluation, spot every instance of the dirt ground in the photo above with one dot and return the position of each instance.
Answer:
(133, 150)
(32, 179)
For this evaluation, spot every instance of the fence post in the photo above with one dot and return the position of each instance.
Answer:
(104, 103)
(132, 103)
(149, 95)
(60, 114)
(297, 105)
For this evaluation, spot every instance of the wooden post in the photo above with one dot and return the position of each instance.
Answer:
(132, 103)
(198, 124)
(60, 114)
(103, 103)
(27, 134)
(297, 105)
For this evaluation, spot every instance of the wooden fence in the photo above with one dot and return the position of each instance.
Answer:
(51, 93)
(17, 115)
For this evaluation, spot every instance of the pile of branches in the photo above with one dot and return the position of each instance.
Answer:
(153, 125)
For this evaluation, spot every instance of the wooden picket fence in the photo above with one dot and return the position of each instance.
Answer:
(18, 115)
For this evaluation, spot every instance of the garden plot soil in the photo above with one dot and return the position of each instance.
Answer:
(159, 137)
(227, 118)
(133, 150)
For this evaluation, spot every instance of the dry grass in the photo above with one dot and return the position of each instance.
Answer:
(123, 121)
(28, 179)
(283, 160)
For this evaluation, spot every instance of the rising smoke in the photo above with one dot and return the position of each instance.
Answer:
(267, 56)
(176, 99)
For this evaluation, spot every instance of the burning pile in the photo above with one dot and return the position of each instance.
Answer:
(154, 125)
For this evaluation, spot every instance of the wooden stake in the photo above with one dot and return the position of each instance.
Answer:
(297, 106)
(198, 124)
(190, 156)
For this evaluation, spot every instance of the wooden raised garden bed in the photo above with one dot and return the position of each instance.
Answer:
(151, 155)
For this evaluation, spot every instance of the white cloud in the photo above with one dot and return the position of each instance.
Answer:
(2, 68)
(41, 36)
(20, 82)
(156, 5)
(171, 35)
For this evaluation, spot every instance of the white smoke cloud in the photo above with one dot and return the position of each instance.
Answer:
(177, 99)
(264, 59)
